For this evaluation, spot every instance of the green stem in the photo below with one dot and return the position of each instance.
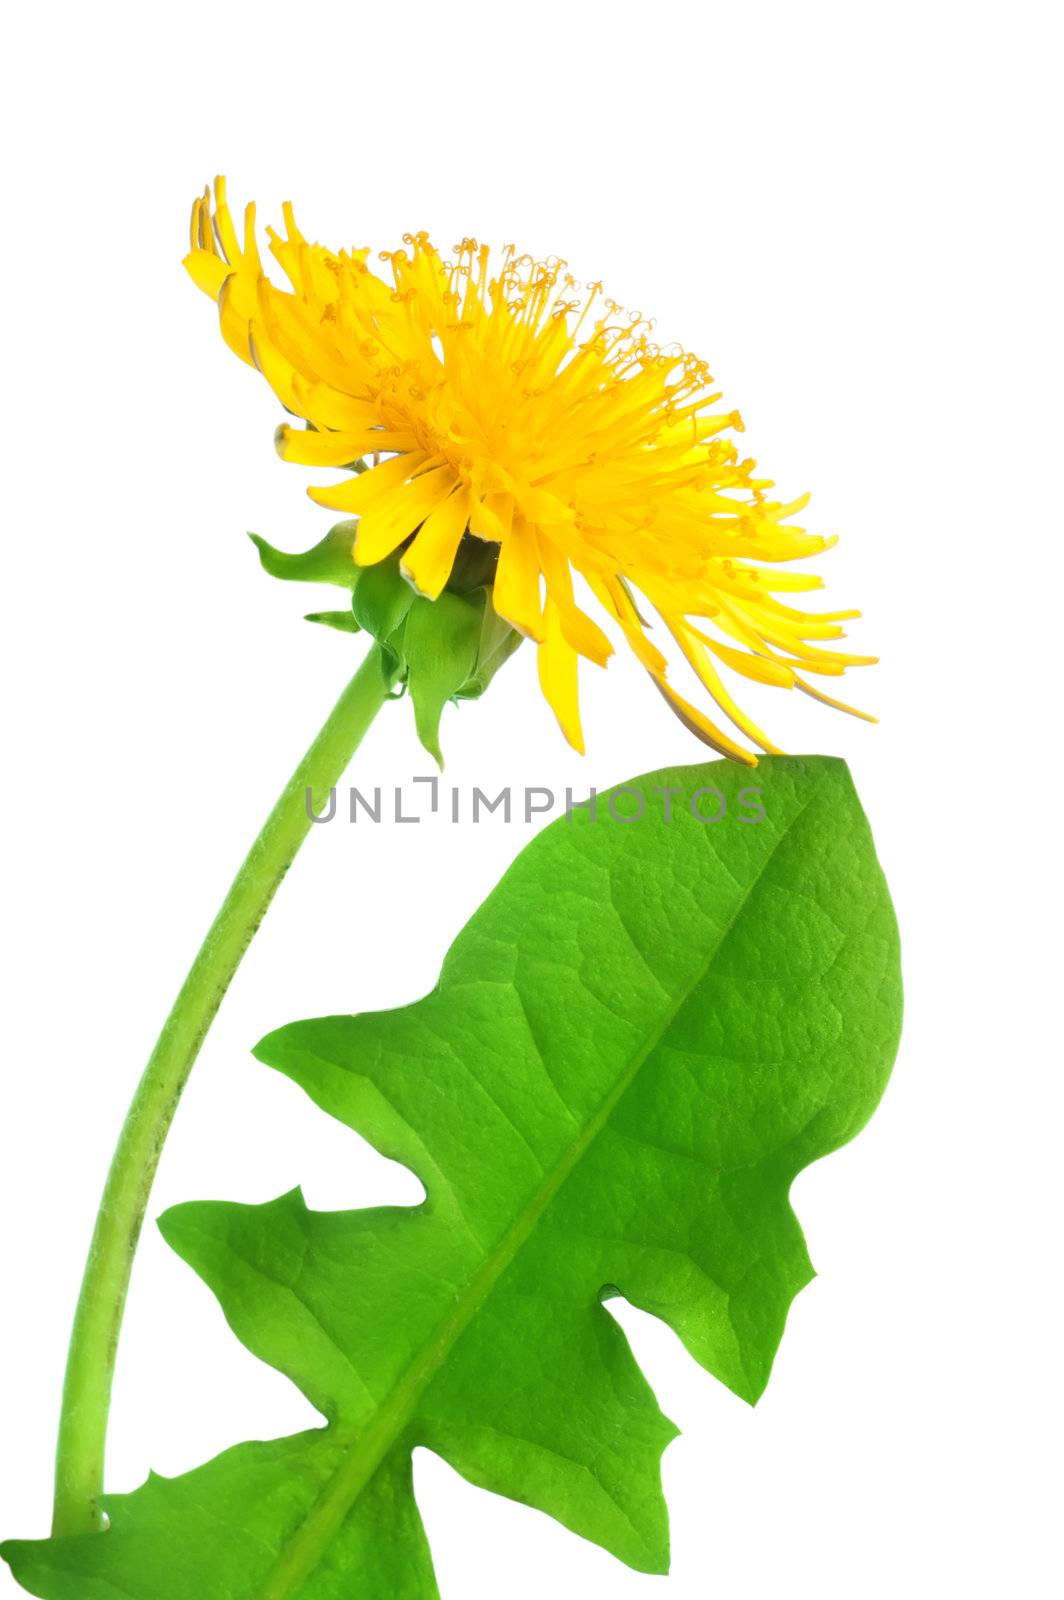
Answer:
(98, 1319)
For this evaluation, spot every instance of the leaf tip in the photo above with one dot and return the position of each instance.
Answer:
(268, 1048)
(181, 1225)
(169, 1225)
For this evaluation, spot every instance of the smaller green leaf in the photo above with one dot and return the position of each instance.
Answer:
(440, 644)
(498, 641)
(330, 561)
(343, 621)
(381, 600)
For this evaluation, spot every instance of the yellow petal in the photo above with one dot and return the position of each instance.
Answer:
(619, 603)
(208, 272)
(838, 705)
(429, 560)
(699, 724)
(234, 317)
(760, 669)
(585, 636)
(557, 663)
(224, 223)
(485, 520)
(327, 407)
(361, 494)
(279, 373)
(517, 583)
(313, 448)
(199, 235)
(395, 517)
(698, 657)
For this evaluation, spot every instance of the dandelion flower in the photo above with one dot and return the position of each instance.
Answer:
(491, 399)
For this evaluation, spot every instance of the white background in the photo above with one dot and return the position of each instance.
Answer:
(852, 211)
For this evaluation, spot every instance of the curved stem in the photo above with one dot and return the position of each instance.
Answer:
(98, 1318)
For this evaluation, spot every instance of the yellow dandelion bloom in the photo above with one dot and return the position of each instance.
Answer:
(493, 401)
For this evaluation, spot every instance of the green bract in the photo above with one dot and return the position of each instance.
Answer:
(639, 1040)
(444, 649)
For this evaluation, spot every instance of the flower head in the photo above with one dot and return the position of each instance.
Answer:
(492, 400)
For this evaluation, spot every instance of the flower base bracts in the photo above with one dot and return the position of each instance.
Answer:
(440, 650)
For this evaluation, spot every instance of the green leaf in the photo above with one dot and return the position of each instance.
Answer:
(498, 641)
(381, 602)
(642, 1036)
(329, 561)
(342, 621)
(440, 642)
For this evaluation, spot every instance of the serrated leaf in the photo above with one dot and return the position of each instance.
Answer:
(639, 1040)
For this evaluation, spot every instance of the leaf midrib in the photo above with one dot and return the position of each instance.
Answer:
(314, 1535)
